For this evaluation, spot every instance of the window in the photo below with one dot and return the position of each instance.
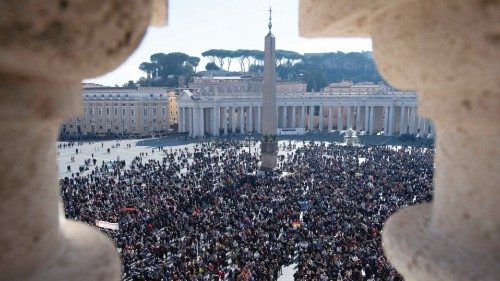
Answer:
(163, 111)
(91, 111)
(154, 111)
(132, 112)
(154, 120)
(116, 111)
(85, 111)
(145, 111)
(132, 121)
(107, 111)
(123, 111)
(100, 127)
(100, 111)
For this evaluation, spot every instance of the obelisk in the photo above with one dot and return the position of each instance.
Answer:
(269, 145)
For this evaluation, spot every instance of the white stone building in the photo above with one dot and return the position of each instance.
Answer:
(132, 111)
(224, 105)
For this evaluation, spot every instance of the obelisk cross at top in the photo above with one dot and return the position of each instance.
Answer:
(270, 18)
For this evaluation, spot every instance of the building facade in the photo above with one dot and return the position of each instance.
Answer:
(220, 106)
(124, 111)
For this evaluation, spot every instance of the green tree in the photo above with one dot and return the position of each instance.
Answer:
(212, 66)
(149, 68)
(241, 55)
(166, 68)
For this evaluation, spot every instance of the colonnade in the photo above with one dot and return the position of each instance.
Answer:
(199, 120)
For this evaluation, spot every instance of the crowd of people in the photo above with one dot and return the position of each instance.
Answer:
(205, 213)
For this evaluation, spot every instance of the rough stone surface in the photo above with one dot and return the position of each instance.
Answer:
(325, 18)
(69, 39)
(407, 232)
(449, 52)
(46, 48)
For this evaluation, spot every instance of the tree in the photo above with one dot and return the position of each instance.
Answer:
(130, 84)
(210, 54)
(229, 56)
(256, 68)
(149, 68)
(211, 66)
(241, 55)
(258, 56)
(166, 68)
(194, 61)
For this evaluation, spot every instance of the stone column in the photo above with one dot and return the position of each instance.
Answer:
(339, 119)
(348, 117)
(372, 120)
(185, 122)
(259, 119)
(448, 51)
(302, 117)
(190, 121)
(218, 120)
(47, 48)
(420, 122)
(367, 116)
(392, 112)
(180, 120)
(250, 119)
(294, 117)
(386, 120)
(358, 118)
(229, 111)
(284, 117)
(330, 118)
(413, 115)
(196, 123)
(233, 119)
(320, 126)
(311, 118)
(241, 119)
(402, 122)
(224, 119)
(213, 119)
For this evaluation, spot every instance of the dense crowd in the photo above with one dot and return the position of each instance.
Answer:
(204, 214)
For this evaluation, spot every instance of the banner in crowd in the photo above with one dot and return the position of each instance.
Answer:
(108, 225)
(296, 224)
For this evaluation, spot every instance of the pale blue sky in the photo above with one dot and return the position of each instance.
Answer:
(195, 26)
